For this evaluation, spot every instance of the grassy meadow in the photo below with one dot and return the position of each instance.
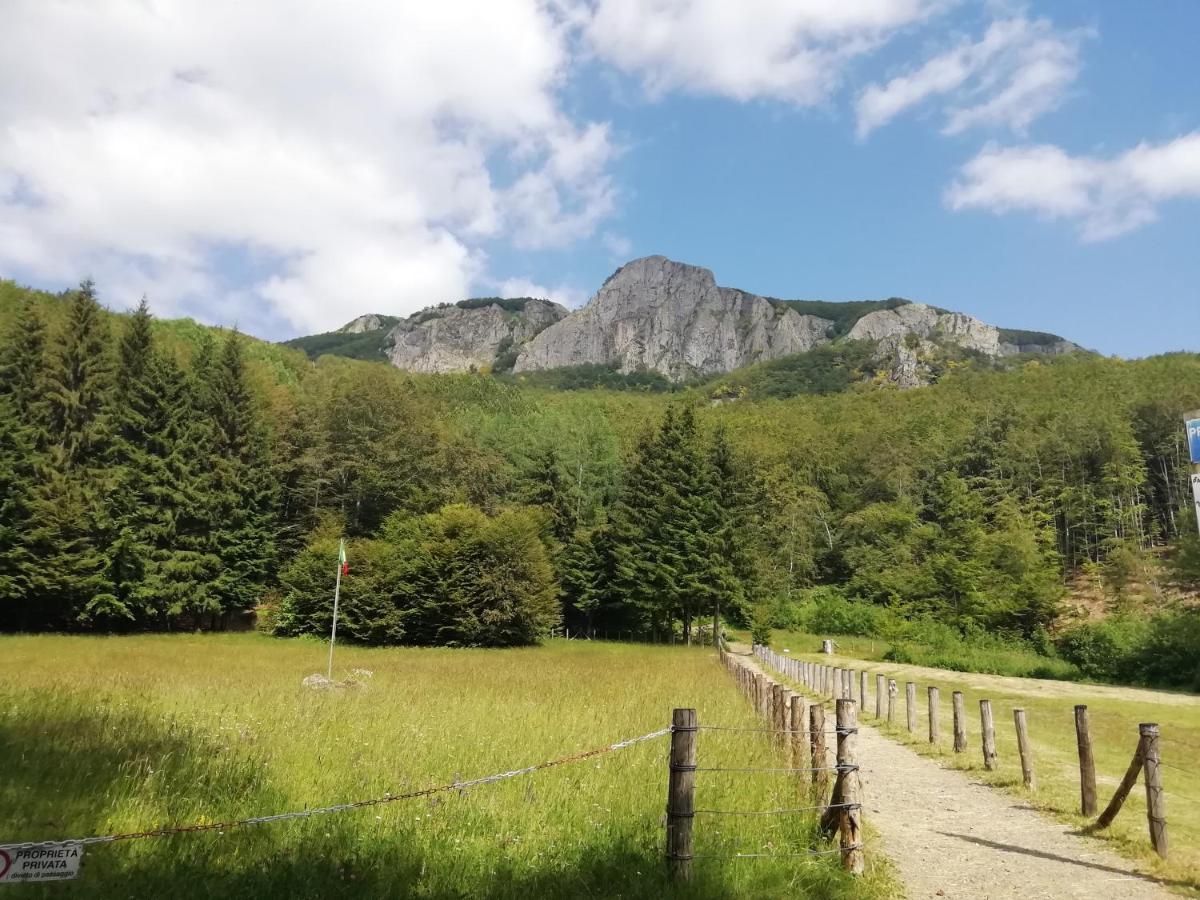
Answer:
(104, 735)
(1114, 713)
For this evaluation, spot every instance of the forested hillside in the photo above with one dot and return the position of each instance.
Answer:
(164, 475)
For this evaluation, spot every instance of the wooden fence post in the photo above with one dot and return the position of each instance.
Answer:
(816, 736)
(796, 725)
(862, 692)
(760, 692)
(776, 709)
(1087, 762)
(880, 690)
(1023, 748)
(837, 683)
(849, 794)
(681, 794)
(892, 692)
(989, 734)
(1156, 807)
(784, 723)
(934, 701)
(960, 723)
(1126, 785)
(910, 706)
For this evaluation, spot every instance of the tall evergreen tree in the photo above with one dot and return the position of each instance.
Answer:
(240, 486)
(22, 439)
(70, 533)
(155, 571)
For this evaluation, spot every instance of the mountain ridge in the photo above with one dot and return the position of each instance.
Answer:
(657, 315)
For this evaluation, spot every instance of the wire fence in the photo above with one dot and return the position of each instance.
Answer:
(340, 807)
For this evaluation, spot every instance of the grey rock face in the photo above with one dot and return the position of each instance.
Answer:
(453, 339)
(928, 323)
(672, 318)
(1054, 348)
(369, 322)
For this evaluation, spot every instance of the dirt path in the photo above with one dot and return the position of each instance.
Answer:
(951, 837)
(1028, 687)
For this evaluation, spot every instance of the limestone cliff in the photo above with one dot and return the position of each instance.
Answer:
(663, 316)
(657, 315)
(470, 335)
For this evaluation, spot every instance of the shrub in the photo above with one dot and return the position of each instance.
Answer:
(826, 610)
(452, 578)
(1105, 650)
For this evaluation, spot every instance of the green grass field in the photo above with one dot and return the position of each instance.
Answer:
(104, 735)
(1115, 713)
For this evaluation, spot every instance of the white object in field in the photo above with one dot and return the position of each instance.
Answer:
(57, 862)
(1196, 495)
(826, 646)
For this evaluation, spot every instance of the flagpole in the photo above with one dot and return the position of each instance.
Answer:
(337, 589)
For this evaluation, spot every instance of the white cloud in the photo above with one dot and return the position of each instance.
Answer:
(1103, 197)
(342, 158)
(565, 294)
(617, 245)
(794, 51)
(1018, 71)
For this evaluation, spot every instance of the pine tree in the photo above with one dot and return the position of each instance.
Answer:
(156, 572)
(22, 438)
(241, 486)
(557, 494)
(70, 533)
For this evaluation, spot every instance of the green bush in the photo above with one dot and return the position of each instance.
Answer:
(826, 610)
(1104, 650)
(452, 578)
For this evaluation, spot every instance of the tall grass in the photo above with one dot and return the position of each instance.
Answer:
(101, 735)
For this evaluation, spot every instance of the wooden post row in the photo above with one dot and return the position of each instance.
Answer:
(681, 794)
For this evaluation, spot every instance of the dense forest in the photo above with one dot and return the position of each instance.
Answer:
(162, 475)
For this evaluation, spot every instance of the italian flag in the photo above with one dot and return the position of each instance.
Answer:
(345, 566)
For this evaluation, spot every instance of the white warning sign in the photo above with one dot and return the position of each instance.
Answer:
(49, 862)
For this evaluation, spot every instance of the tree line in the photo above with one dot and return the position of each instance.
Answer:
(162, 475)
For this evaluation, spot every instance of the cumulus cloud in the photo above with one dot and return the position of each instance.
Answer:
(1105, 198)
(1019, 70)
(340, 163)
(794, 51)
(566, 294)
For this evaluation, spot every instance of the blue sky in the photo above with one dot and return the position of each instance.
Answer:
(1036, 165)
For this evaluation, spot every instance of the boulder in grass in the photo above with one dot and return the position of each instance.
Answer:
(317, 682)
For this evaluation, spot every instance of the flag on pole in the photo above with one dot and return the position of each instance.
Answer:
(342, 558)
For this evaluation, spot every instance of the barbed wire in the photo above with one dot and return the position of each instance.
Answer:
(846, 849)
(775, 812)
(843, 768)
(774, 730)
(340, 807)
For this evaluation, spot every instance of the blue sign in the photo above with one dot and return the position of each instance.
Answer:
(1193, 429)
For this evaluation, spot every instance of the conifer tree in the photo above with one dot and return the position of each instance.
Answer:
(241, 484)
(557, 494)
(70, 533)
(22, 438)
(155, 573)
